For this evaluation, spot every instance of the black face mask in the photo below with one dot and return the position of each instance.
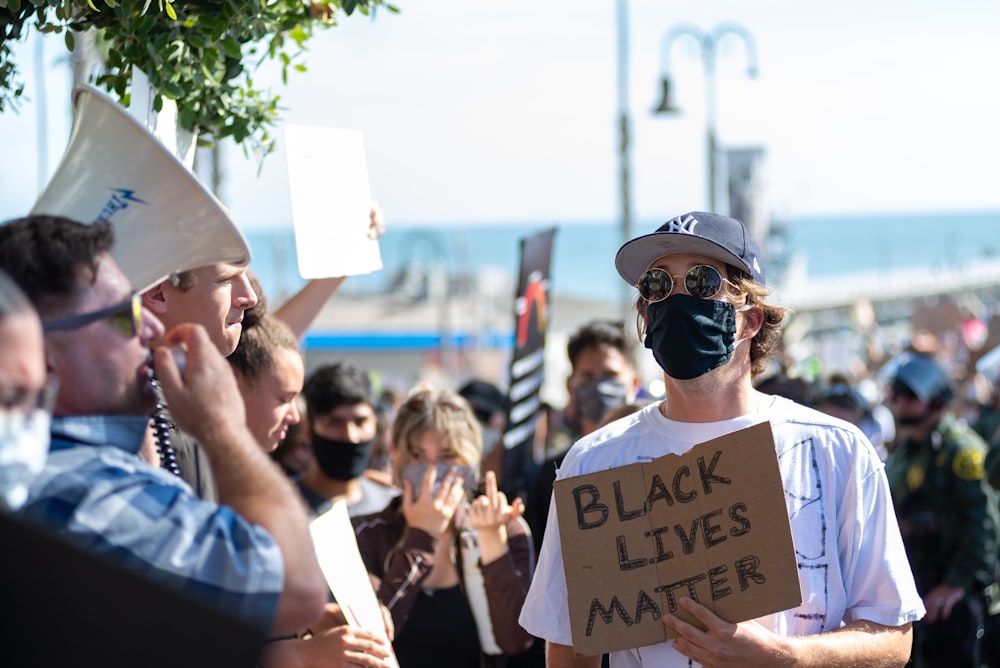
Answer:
(690, 336)
(342, 460)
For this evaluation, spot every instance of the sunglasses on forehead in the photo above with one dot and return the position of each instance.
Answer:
(125, 317)
(702, 281)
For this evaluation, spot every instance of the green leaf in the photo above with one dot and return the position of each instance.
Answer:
(172, 90)
(233, 68)
(232, 48)
(201, 53)
(186, 118)
(299, 35)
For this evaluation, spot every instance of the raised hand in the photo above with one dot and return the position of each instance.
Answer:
(205, 398)
(436, 506)
(488, 515)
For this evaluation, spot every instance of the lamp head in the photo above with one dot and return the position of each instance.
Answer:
(666, 105)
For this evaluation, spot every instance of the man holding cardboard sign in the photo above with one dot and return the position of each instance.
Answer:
(721, 526)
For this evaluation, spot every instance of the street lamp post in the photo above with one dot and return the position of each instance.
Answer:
(709, 43)
(624, 156)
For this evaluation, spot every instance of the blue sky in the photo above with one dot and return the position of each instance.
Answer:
(493, 111)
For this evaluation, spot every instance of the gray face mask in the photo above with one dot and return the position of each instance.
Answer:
(24, 445)
(595, 398)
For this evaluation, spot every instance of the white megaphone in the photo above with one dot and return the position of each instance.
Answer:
(164, 219)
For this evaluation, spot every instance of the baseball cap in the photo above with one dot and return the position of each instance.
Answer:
(719, 237)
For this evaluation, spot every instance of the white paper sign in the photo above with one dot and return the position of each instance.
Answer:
(331, 201)
(345, 572)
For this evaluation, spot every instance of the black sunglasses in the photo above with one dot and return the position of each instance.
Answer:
(702, 281)
(126, 317)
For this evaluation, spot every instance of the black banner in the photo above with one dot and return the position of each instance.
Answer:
(527, 365)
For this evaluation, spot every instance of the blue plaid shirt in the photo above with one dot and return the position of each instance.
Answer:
(97, 491)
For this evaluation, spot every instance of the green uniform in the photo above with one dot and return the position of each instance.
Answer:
(988, 426)
(947, 512)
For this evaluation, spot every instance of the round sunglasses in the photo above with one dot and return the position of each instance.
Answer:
(702, 281)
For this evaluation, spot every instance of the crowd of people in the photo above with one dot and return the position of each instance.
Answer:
(176, 432)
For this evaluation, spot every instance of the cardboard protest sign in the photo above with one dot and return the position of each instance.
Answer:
(710, 524)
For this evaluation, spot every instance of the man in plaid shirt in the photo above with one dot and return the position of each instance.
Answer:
(251, 554)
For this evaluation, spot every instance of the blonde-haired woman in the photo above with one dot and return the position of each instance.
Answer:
(453, 574)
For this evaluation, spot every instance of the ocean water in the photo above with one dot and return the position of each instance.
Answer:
(583, 252)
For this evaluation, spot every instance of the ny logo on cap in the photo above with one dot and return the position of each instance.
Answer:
(685, 225)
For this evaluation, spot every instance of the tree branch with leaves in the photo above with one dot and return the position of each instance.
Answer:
(199, 53)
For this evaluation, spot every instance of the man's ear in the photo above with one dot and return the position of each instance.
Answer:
(753, 321)
(154, 299)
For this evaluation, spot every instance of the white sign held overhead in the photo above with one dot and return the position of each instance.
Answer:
(331, 201)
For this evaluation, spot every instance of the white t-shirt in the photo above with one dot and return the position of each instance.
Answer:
(851, 560)
(374, 498)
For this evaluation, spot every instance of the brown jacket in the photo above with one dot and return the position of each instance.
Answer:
(398, 558)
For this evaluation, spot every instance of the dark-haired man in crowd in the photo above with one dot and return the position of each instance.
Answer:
(340, 410)
(252, 556)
